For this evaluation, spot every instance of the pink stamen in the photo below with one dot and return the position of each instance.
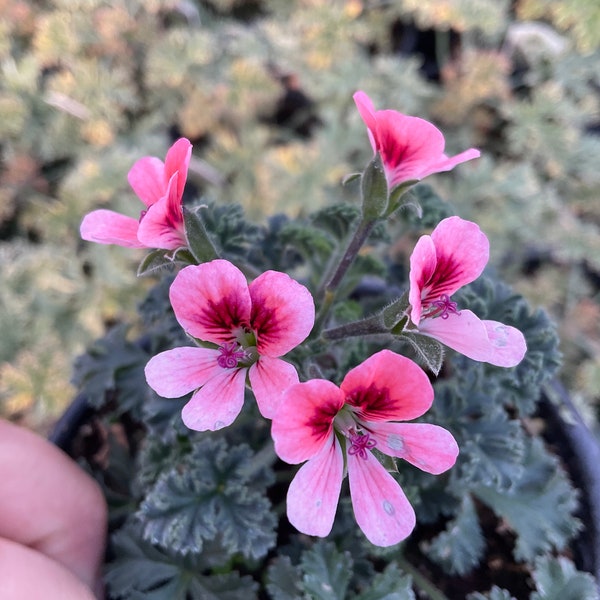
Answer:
(444, 306)
(360, 444)
(230, 356)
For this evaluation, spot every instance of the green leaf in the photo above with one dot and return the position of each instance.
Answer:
(164, 260)
(228, 229)
(431, 208)
(460, 548)
(313, 244)
(141, 570)
(494, 594)
(113, 364)
(493, 453)
(155, 261)
(284, 580)
(337, 219)
(392, 584)
(197, 237)
(327, 572)
(539, 508)
(492, 446)
(430, 351)
(210, 494)
(492, 299)
(558, 579)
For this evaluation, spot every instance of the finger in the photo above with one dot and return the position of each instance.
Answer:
(26, 573)
(50, 504)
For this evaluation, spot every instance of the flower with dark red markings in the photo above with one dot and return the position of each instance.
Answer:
(453, 255)
(335, 430)
(160, 187)
(250, 325)
(410, 148)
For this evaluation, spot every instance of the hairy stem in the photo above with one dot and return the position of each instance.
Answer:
(370, 326)
(329, 290)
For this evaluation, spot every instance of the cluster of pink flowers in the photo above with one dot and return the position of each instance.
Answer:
(245, 329)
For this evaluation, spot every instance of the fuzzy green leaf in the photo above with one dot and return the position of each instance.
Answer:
(459, 548)
(141, 570)
(197, 237)
(155, 261)
(558, 579)
(389, 585)
(430, 351)
(284, 580)
(494, 594)
(327, 572)
(492, 299)
(492, 447)
(337, 219)
(539, 508)
(113, 364)
(210, 494)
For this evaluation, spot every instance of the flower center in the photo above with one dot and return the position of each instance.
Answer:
(360, 443)
(443, 307)
(230, 355)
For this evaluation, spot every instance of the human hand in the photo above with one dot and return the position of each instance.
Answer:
(52, 522)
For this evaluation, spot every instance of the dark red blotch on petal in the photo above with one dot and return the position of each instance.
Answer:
(373, 403)
(321, 421)
(446, 279)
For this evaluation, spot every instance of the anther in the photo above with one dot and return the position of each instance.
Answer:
(230, 357)
(444, 306)
(360, 444)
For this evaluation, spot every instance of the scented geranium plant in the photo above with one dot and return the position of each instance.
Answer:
(302, 414)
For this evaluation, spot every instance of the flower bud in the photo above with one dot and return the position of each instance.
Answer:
(374, 190)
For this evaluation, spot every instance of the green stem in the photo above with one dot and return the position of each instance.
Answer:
(370, 326)
(420, 580)
(329, 290)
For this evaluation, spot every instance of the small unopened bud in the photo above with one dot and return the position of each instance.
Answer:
(374, 190)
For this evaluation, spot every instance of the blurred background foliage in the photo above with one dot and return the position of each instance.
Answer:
(263, 89)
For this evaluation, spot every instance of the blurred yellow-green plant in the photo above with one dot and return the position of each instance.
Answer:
(263, 89)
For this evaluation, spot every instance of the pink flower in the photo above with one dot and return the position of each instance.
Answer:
(453, 255)
(251, 327)
(330, 427)
(410, 148)
(160, 187)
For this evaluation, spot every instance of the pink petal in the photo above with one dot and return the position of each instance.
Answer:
(428, 447)
(174, 373)
(381, 509)
(177, 161)
(367, 112)
(108, 227)
(388, 387)
(270, 378)
(448, 163)
(217, 403)
(423, 262)
(303, 422)
(211, 300)
(508, 344)
(283, 313)
(314, 492)
(462, 251)
(410, 148)
(484, 341)
(162, 225)
(147, 178)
